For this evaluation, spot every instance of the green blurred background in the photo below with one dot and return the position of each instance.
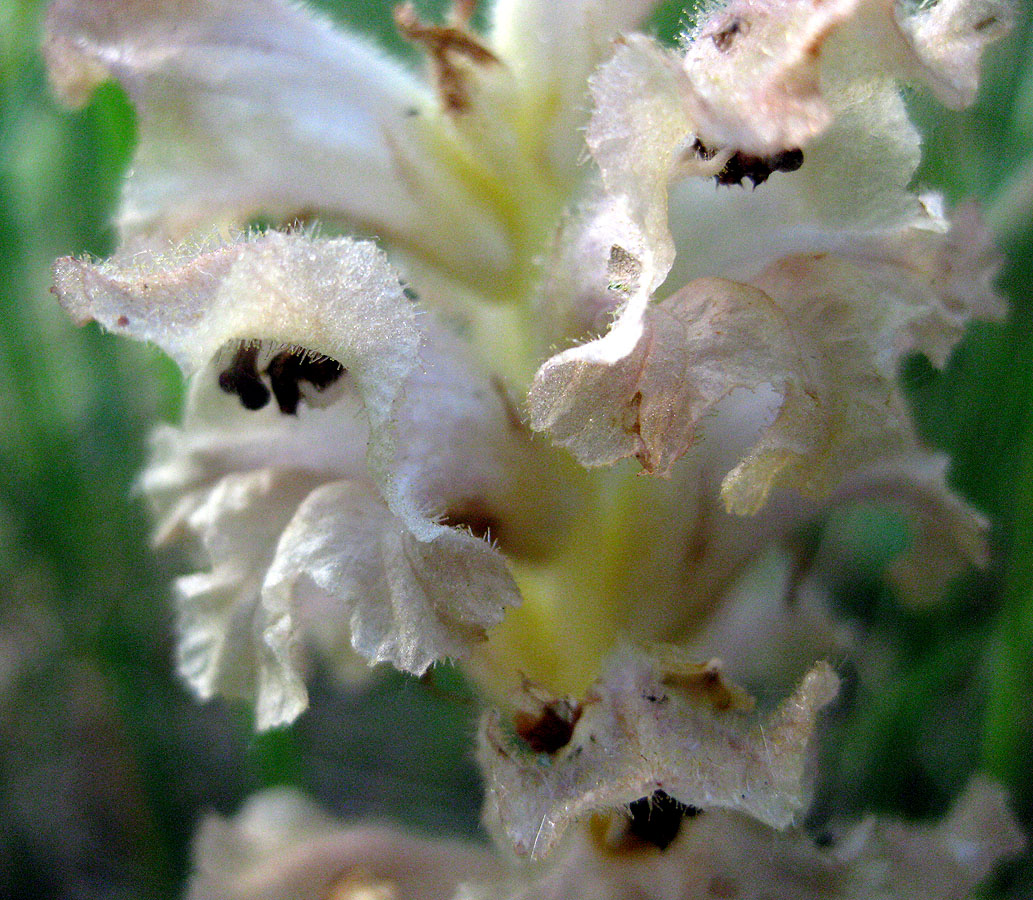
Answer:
(106, 762)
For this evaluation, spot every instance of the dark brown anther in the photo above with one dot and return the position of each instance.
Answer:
(756, 168)
(726, 34)
(283, 376)
(657, 819)
(241, 378)
(786, 160)
(321, 371)
(287, 369)
(551, 729)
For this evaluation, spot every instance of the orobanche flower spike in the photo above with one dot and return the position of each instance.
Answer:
(632, 318)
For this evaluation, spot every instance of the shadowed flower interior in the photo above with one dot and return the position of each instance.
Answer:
(633, 317)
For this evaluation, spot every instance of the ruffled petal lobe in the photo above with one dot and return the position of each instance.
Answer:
(647, 725)
(349, 521)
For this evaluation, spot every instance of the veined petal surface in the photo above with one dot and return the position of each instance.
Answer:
(825, 331)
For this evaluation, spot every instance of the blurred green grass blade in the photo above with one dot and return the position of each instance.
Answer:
(1008, 732)
(893, 757)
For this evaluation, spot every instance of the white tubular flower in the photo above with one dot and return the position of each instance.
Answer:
(265, 108)
(833, 270)
(281, 845)
(630, 738)
(302, 533)
(727, 855)
(303, 538)
(356, 467)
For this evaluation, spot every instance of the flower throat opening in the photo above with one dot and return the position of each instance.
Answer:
(285, 373)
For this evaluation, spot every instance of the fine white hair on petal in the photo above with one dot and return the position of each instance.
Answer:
(338, 298)
(225, 484)
(641, 388)
(636, 137)
(300, 557)
(580, 296)
(951, 36)
(853, 321)
(764, 78)
(648, 724)
(822, 343)
(691, 354)
(853, 179)
(238, 523)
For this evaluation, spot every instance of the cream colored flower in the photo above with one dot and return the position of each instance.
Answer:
(358, 466)
(282, 846)
(279, 846)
